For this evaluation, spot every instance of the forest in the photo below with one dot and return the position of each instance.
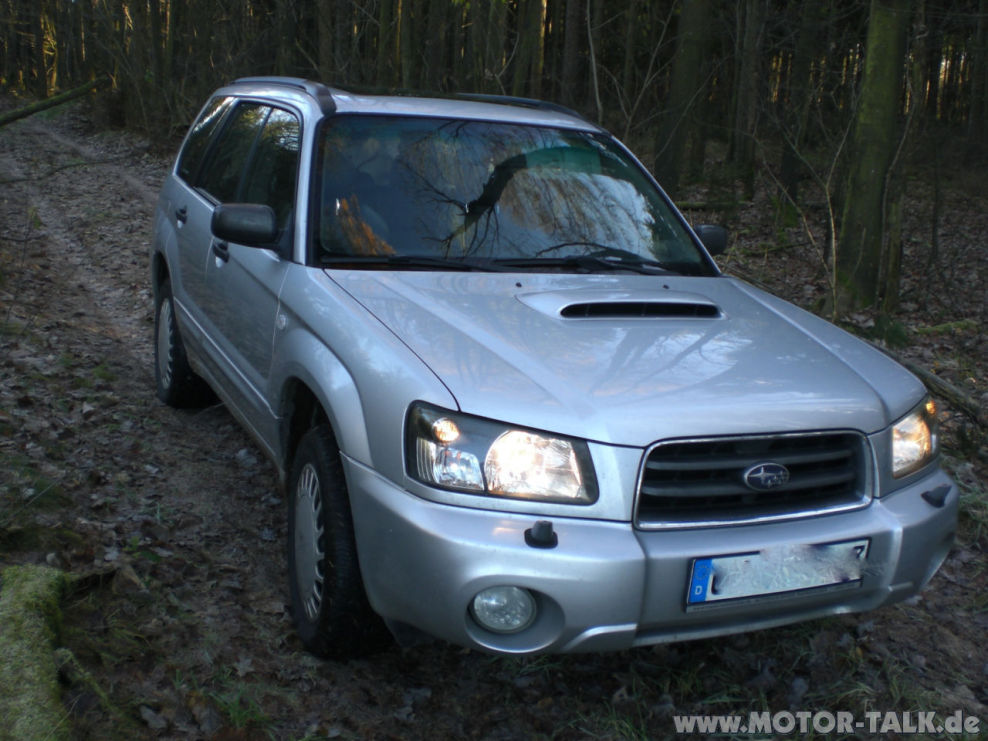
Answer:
(840, 141)
(828, 95)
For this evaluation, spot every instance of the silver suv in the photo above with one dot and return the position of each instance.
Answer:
(514, 403)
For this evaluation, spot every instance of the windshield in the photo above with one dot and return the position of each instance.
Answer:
(424, 192)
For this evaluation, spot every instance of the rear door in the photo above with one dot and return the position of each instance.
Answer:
(210, 170)
(184, 213)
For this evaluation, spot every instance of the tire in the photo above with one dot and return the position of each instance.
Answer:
(176, 383)
(329, 606)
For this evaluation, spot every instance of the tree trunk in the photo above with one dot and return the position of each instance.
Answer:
(435, 33)
(686, 87)
(594, 11)
(978, 100)
(528, 62)
(174, 24)
(386, 34)
(741, 151)
(155, 45)
(406, 38)
(874, 144)
(344, 58)
(632, 24)
(324, 43)
(572, 33)
(40, 72)
(457, 59)
(62, 27)
(934, 50)
(538, 60)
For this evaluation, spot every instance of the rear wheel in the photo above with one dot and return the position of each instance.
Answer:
(329, 605)
(176, 383)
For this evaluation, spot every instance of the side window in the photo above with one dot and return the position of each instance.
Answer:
(273, 169)
(195, 145)
(220, 177)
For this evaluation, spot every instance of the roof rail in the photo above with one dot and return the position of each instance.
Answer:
(544, 105)
(318, 90)
(324, 95)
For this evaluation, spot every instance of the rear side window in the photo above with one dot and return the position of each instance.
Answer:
(195, 146)
(220, 176)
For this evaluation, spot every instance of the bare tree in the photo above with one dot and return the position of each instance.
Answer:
(868, 206)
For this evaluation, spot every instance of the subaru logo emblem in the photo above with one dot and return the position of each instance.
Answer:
(766, 476)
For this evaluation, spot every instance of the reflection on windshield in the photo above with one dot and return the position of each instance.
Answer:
(390, 186)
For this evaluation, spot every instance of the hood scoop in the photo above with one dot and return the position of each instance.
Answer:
(597, 303)
(640, 310)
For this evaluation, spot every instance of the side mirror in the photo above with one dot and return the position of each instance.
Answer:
(714, 238)
(250, 224)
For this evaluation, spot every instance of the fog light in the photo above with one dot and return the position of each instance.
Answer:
(503, 609)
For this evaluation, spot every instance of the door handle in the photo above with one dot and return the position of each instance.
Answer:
(181, 215)
(221, 250)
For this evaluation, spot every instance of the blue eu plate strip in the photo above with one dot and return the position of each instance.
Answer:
(702, 568)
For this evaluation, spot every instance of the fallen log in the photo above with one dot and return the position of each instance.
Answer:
(52, 102)
(951, 393)
(941, 387)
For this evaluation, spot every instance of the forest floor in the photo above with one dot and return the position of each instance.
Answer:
(171, 528)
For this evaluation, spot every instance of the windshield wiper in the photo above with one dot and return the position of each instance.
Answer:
(588, 263)
(594, 263)
(408, 262)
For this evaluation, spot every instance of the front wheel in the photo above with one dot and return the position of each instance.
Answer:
(329, 605)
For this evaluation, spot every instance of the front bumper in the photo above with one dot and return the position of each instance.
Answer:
(607, 586)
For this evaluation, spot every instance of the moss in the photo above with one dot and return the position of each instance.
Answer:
(30, 699)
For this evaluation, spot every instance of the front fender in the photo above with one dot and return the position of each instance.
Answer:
(362, 375)
(332, 385)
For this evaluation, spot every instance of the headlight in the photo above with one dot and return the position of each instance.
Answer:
(478, 456)
(914, 439)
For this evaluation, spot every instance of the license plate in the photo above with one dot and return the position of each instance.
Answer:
(776, 570)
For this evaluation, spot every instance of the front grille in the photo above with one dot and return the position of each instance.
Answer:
(702, 482)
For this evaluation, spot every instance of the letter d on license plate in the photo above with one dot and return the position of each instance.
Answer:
(776, 570)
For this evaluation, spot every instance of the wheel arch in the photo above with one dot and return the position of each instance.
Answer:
(159, 271)
(305, 402)
(302, 411)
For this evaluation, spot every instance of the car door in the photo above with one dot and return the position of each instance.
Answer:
(242, 283)
(210, 170)
(187, 212)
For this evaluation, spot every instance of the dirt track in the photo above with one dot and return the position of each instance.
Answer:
(173, 523)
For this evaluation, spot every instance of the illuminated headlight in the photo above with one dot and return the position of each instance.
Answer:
(478, 456)
(914, 439)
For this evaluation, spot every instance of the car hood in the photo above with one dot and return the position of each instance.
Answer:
(628, 359)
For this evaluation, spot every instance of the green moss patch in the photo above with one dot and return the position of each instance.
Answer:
(30, 698)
